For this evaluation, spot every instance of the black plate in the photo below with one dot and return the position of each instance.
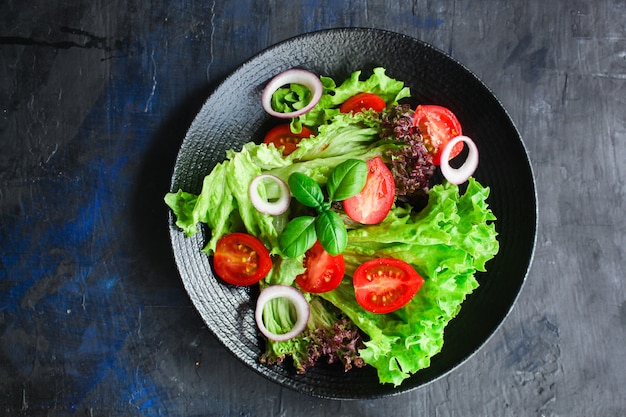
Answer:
(233, 115)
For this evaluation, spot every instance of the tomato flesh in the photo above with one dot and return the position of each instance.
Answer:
(363, 101)
(324, 272)
(384, 285)
(373, 203)
(438, 126)
(241, 259)
(282, 135)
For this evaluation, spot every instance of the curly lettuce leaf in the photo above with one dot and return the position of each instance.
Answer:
(223, 203)
(389, 89)
(213, 206)
(447, 242)
(346, 137)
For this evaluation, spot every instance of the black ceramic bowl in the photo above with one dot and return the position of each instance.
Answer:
(233, 115)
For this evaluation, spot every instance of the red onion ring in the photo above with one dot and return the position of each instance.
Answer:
(295, 297)
(461, 174)
(269, 207)
(295, 76)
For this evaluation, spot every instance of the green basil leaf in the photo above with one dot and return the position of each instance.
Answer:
(331, 232)
(347, 179)
(298, 237)
(306, 190)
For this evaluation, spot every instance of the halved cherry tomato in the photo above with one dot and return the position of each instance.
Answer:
(281, 135)
(373, 203)
(385, 284)
(438, 126)
(324, 272)
(361, 101)
(241, 259)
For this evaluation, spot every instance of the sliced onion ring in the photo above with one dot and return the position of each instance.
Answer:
(295, 76)
(295, 297)
(270, 207)
(461, 174)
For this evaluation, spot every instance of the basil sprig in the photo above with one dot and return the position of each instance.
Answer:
(301, 233)
(306, 190)
(347, 180)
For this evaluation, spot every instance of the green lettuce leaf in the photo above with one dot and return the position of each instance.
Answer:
(223, 203)
(389, 89)
(213, 206)
(346, 137)
(447, 242)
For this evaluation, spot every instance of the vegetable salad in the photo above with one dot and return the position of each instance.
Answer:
(336, 215)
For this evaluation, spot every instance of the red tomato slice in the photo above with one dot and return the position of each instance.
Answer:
(281, 135)
(373, 203)
(324, 272)
(361, 101)
(438, 126)
(241, 259)
(385, 284)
